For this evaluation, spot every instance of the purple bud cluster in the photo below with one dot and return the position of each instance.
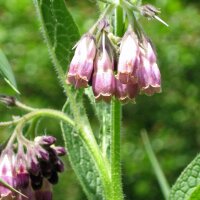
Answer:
(31, 171)
(124, 76)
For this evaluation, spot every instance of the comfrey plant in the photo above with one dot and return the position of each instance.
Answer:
(110, 65)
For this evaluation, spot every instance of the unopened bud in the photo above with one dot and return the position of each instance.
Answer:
(60, 151)
(149, 10)
(8, 100)
(45, 140)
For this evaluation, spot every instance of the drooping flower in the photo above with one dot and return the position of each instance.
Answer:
(81, 66)
(103, 81)
(129, 49)
(149, 78)
(22, 175)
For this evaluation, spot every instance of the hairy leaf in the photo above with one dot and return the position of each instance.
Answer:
(6, 71)
(82, 161)
(188, 181)
(59, 29)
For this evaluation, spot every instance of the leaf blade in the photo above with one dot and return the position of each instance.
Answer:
(187, 182)
(156, 166)
(81, 161)
(6, 72)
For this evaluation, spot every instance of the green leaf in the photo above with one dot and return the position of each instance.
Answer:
(81, 161)
(196, 194)
(156, 166)
(188, 181)
(6, 72)
(59, 30)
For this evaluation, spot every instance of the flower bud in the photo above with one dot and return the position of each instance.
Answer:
(149, 10)
(45, 140)
(46, 168)
(59, 166)
(60, 151)
(103, 82)
(81, 66)
(41, 153)
(129, 50)
(8, 100)
(36, 181)
(32, 163)
(54, 177)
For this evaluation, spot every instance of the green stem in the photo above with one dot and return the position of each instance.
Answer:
(115, 151)
(117, 193)
(24, 107)
(107, 11)
(39, 113)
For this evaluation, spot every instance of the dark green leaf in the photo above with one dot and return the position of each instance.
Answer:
(59, 30)
(188, 181)
(6, 71)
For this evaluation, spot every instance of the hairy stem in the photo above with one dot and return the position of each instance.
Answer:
(24, 107)
(39, 113)
(117, 193)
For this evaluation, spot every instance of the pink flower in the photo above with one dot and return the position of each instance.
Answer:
(149, 78)
(81, 66)
(103, 82)
(129, 50)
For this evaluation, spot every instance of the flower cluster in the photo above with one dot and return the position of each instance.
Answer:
(124, 76)
(31, 170)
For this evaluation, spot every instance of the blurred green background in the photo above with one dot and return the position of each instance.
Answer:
(171, 118)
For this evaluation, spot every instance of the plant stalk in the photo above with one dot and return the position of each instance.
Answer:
(117, 193)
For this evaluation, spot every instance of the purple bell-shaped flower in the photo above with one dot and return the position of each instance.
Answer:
(81, 66)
